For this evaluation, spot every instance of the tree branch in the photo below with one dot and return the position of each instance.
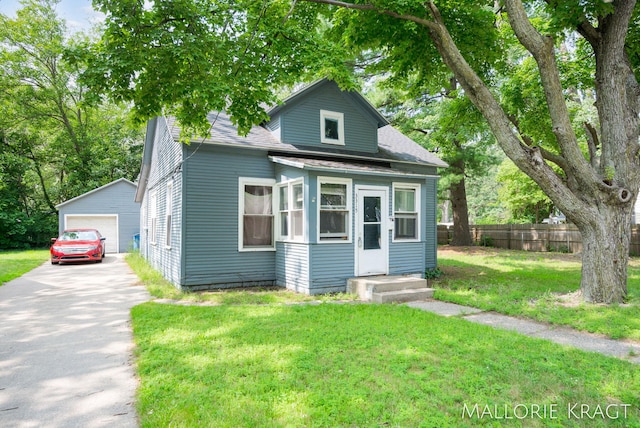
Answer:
(372, 8)
(546, 154)
(542, 49)
(593, 143)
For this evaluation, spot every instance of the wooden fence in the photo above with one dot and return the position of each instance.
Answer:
(531, 237)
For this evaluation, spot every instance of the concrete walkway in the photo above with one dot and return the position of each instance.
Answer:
(628, 351)
(65, 346)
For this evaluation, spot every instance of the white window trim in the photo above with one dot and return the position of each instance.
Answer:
(289, 185)
(409, 186)
(326, 114)
(153, 217)
(243, 181)
(168, 215)
(334, 180)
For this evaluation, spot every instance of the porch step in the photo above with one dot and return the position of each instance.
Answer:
(409, 295)
(389, 288)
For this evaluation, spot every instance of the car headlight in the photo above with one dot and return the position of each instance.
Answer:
(57, 248)
(92, 248)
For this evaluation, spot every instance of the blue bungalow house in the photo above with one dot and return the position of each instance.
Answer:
(325, 191)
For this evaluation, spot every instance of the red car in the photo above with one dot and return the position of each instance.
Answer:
(78, 245)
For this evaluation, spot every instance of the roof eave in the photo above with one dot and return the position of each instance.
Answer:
(145, 167)
(61, 204)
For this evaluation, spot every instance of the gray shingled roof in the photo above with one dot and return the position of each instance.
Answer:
(399, 146)
(341, 166)
(393, 145)
(225, 132)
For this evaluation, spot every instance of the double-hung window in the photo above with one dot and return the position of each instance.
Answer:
(168, 213)
(406, 203)
(291, 211)
(153, 216)
(256, 214)
(334, 209)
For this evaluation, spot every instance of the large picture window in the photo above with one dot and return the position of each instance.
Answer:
(335, 209)
(291, 211)
(256, 214)
(406, 203)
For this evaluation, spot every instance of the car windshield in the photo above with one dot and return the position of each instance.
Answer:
(79, 235)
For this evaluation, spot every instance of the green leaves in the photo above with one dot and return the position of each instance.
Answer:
(192, 57)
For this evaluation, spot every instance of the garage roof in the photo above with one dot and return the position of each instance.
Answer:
(95, 190)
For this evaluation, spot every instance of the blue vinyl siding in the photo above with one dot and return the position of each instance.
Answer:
(430, 192)
(331, 266)
(407, 258)
(292, 266)
(211, 219)
(166, 157)
(301, 125)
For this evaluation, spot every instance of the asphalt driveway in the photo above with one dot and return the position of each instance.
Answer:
(65, 346)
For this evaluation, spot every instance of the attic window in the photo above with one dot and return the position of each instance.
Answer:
(332, 127)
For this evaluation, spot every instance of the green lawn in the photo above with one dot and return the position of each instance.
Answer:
(16, 263)
(541, 286)
(361, 365)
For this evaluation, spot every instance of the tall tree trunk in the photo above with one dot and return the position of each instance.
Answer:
(604, 257)
(461, 232)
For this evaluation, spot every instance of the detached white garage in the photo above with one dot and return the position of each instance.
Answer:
(111, 209)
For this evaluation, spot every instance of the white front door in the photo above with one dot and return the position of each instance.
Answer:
(372, 236)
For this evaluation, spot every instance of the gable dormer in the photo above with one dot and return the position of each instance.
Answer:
(322, 115)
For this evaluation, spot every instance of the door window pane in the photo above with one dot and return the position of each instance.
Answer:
(371, 209)
(372, 236)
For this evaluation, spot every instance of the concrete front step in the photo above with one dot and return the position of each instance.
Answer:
(409, 295)
(366, 287)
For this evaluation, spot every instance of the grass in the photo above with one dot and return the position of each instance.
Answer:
(250, 360)
(541, 286)
(163, 289)
(14, 264)
(346, 365)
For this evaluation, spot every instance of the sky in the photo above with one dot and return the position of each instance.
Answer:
(78, 14)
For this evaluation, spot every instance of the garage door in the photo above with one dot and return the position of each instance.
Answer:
(107, 225)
